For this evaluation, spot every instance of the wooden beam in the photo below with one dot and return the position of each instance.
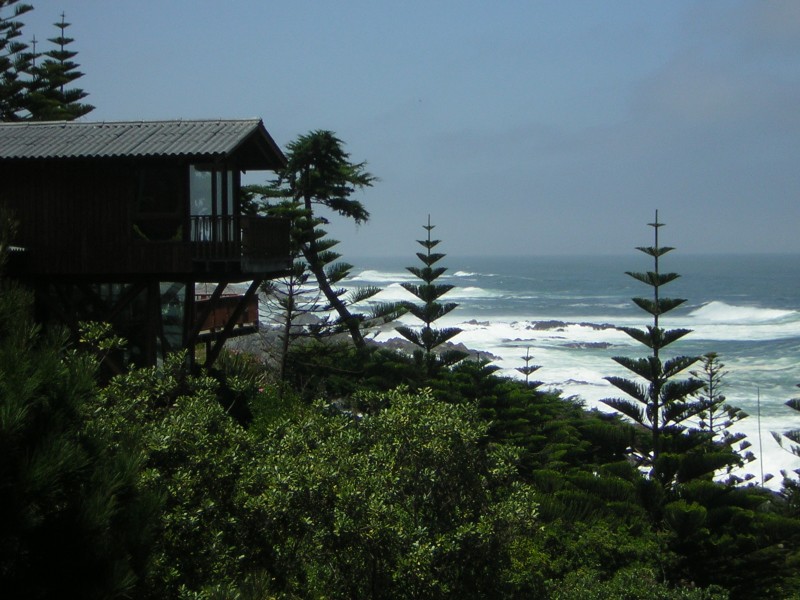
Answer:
(232, 320)
(188, 324)
(201, 318)
(152, 322)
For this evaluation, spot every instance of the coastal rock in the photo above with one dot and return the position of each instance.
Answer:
(588, 345)
(560, 325)
(547, 325)
(598, 326)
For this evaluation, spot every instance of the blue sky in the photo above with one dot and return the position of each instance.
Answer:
(522, 127)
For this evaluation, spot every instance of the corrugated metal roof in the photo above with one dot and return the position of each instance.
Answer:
(134, 139)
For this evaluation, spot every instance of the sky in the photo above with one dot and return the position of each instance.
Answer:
(521, 127)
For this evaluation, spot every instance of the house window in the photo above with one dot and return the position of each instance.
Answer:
(212, 201)
(201, 191)
(157, 212)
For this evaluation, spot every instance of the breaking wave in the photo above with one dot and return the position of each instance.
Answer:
(720, 312)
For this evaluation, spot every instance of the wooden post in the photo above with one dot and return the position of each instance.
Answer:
(232, 320)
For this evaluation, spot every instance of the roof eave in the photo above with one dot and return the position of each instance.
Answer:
(263, 144)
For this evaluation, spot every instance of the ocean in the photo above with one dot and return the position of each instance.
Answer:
(563, 310)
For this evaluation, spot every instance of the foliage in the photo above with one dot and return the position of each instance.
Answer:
(319, 173)
(292, 302)
(8, 231)
(49, 98)
(480, 487)
(674, 452)
(195, 456)
(529, 369)
(790, 439)
(431, 310)
(240, 378)
(734, 537)
(636, 583)
(325, 370)
(717, 417)
(406, 502)
(14, 60)
(34, 85)
(73, 522)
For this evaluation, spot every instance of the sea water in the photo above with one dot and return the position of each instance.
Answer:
(564, 311)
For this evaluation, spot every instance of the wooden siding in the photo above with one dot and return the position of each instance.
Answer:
(71, 219)
(78, 219)
(265, 238)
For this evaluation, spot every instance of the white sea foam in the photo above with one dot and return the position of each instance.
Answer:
(498, 313)
(575, 358)
(381, 277)
(465, 293)
(720, 321)
(720, 312)
(393, 293)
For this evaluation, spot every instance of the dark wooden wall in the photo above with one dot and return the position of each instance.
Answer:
(76, 218)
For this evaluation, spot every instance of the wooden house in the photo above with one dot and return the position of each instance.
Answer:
(127, 221)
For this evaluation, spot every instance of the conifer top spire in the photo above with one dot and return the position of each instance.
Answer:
(429, 293)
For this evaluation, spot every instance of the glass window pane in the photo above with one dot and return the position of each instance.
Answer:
(200, 191)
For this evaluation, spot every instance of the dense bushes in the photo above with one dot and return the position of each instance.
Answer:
(383, 482)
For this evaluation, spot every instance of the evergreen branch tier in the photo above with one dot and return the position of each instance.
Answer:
(431, 310)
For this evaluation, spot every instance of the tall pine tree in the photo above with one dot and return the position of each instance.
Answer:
(50, 98)
(319, 173)
(33, 85)
(673, 451)
(428, 338)
(15, 61)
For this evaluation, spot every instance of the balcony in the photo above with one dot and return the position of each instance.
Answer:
(218, 313)
(259, 244)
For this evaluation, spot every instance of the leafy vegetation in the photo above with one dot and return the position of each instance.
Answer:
(358, 476)
(717, 417)
(345, 470)
(34, 85)
(319, 173)
(73, 521)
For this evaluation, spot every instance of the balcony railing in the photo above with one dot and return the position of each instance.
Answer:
(214, 238)
(265, 237)
(231, 238)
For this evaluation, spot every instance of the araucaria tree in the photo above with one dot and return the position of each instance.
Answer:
(50, 98)
(291, 299)
(33, 85)
(14, 60)
(529, 369)
(717, 416)
(431, 309)
(790, 440)
(664, 405)
(319, 173)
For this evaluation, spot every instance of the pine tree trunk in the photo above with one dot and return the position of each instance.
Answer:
(285, 340)
(318, 270)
